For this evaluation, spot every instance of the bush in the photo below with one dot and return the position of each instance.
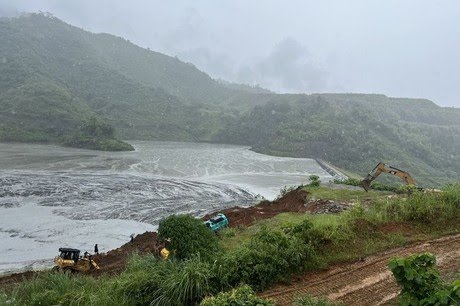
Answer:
(268, 257)
(188, 237)
(187, 284)
(420, 281)
(451, 194)
(243, 295)
(314, 181)
(142, 279)
(149, 280)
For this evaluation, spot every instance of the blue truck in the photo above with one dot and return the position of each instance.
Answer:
(217, 222)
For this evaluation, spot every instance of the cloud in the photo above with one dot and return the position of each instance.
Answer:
(218, 65)
(289, 67)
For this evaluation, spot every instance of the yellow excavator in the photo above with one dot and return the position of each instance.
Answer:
(381, 167)
(69, 261)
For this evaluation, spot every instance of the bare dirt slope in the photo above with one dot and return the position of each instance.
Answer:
(367, 282)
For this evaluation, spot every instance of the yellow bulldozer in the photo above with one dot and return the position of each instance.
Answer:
(70, 261)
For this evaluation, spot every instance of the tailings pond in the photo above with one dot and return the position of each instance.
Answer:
(52, 196)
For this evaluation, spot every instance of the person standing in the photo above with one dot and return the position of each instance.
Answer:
(96, 249)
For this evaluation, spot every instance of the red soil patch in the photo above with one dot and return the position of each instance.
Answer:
(114, 261)
(293, 201)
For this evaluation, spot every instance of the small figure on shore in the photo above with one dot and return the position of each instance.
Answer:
(86, 254)
(132, 238)
(96, 249)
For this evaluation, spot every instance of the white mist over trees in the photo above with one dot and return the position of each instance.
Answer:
(406, 49)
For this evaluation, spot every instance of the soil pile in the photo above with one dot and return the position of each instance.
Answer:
(293, 201)
(114, 261)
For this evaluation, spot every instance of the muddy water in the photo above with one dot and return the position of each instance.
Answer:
(52, 197)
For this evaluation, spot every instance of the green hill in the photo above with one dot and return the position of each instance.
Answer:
(63, 84)
(355, 132)
(54, 76)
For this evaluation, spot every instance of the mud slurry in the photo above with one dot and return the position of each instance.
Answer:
(366, 282)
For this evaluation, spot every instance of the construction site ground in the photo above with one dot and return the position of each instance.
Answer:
(367, 282)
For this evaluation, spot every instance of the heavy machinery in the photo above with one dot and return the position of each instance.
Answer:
(381, 167)
(217, 222)
(69, 260)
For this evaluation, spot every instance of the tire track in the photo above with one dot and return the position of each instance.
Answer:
(367, 282)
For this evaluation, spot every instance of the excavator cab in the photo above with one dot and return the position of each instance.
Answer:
(381, 167)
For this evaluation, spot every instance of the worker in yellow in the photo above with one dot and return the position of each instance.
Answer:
(164, 253)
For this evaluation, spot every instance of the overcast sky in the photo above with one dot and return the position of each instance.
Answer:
(402, 48)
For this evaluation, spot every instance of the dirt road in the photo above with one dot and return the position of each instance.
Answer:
(367, 282)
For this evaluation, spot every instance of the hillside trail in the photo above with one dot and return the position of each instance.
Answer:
(366, 282)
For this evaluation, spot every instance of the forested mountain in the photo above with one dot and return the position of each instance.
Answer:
(56, 78)
(356, 131)
(53, 76)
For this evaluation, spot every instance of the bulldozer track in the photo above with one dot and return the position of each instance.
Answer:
(366, 282)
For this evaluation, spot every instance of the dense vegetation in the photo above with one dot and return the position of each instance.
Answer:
(188, 237)
(55, 77)
(259, 255)
(356, 132)
(421, 283)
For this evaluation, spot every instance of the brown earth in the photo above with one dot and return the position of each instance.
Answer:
(367, 282)
(114, 261)
(293, 201)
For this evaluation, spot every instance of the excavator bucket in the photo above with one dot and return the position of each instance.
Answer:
(366, 184)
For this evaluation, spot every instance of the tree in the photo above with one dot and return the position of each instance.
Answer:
(187, 236)
(314, 181)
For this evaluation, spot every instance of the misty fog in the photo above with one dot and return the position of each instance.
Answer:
(397, 48)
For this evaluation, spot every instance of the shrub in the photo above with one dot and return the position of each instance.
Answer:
(243, 295)
(227, 232)
(420, 281)
(314, 181)
(451, 194)
(187, 237)
(149, 280)
(142, 279)
(285, 190)
(268, 257)
(187, 284)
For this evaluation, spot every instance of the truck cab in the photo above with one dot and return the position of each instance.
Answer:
(217, 222)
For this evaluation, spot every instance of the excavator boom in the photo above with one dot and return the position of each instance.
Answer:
(381, 167)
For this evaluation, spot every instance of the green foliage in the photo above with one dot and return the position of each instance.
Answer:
(61, 289)
(268, 257)
(418, 208)
(187, 236)
(312, 301)
(314, 181)
(420, 281)
(227, 232)
(451, 194)
(273, 250)
(188, 284)
(55, 76)
(285, 190)
(80, 141)
(241, 296)
(342, 129)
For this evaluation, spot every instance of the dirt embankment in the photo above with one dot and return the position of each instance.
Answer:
(114, 261)
(367, 282)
